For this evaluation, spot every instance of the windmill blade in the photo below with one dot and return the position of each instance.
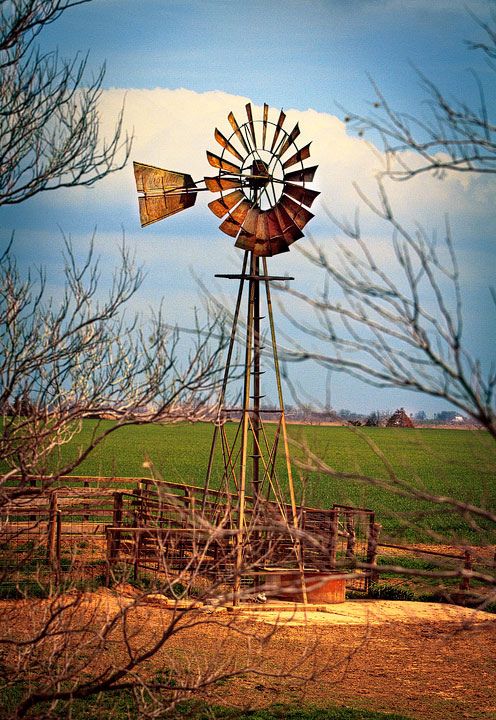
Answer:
(283, 230)
(250, 121)
(249, 224)
(278, 245)
(265, 118)
(239, 213)
(238, 132)
(277, 241)
(274, 227)
(299, 214)
(263, 248)
(262, 229)
(301, 155)
(301, 194)
(222, 205)
(245, 241)
(217, 184)
(232, 224)
(290, 230)
(279, 125)
(288, 141)
(230, 227)
(305, 175)
(218, 162)
(224, 142)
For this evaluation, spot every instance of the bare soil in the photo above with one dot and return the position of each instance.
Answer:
(427, 661)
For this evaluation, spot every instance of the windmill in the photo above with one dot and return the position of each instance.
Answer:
(263, 200)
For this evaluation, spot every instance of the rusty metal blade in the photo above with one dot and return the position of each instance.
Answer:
(157, 207)
(278, 245)
(302, 194)
(305, 175)
(245, 241)
(232, 224)
(216, 184)
(265, 118)
(249, 224)
(263, 248)
(301, 155)
(262, 231)
(279, 125)
(250, 121)
(291, 231)
(278, 240)
(239, 213)
(218, 162)
(238, 132)
(227, 145)
(251, 242)
(274, 228)
(289, 140)
(150, 178)
(222, 205)
(230, 227)
(298, 213)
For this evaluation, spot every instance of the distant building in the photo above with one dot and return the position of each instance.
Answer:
(400, 419)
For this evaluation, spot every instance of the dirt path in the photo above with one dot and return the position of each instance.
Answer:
(426, 661)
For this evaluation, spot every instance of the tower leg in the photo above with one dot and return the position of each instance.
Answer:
(297, 541)
(240, 537)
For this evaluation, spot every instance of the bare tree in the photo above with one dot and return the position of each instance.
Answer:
(400, 327)
(50, 134)
(452, 135)
(61, 362)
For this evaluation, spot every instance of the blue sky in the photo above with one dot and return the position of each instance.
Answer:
(181, 65)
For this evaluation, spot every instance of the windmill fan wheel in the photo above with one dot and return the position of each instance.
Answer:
(264, 198)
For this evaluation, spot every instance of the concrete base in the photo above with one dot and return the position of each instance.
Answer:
(320, 587)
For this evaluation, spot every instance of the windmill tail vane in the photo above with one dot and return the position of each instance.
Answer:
(261, 181)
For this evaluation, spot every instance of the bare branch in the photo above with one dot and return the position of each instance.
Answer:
(50, 135)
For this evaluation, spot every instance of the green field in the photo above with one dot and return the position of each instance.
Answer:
(457, 463)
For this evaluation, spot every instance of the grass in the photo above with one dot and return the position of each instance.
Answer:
(456, 463)
(120, 705)
(287, 712)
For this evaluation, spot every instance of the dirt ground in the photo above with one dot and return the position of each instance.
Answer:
(426, 661)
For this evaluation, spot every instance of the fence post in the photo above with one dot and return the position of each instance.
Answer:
(52, 531)
(138, 507)
(137, 548)
(467, 565)
(86, 517)
(117, 511)
(351, 539)
(333, 537)
(58, 536)
(115, 538)
(108, 570)
(374, 532)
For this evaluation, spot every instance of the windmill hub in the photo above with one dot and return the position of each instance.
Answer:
(260, 174)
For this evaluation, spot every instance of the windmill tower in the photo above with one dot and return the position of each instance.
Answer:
(263, 200)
